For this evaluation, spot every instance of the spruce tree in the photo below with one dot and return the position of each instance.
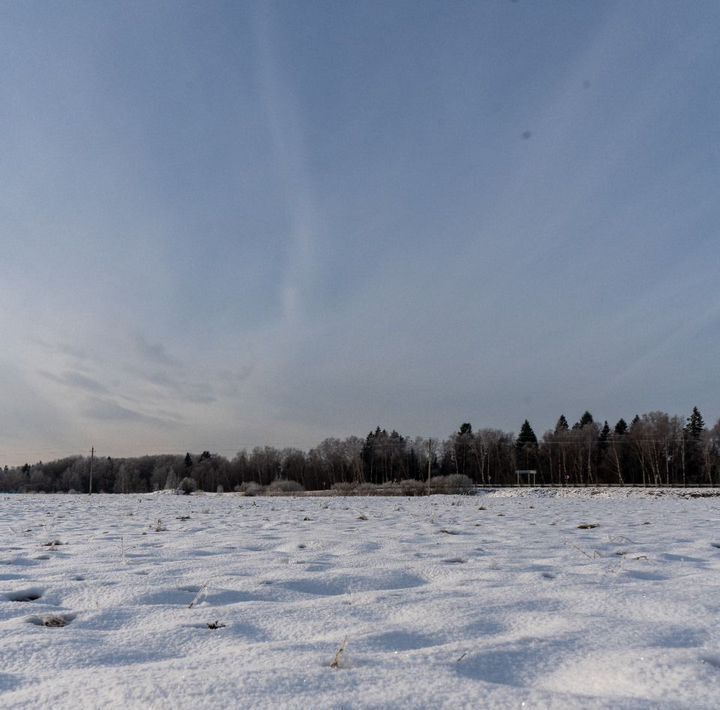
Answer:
(526, 437)
(695, 424)
(463, 449)
(526, 446)
(604, 435)
(562, 425)
(693, 432)
(586, 419)
(603, 465)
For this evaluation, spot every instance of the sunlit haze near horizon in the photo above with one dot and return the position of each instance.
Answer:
(234, 224)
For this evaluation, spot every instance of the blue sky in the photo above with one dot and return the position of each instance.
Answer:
(234, 224)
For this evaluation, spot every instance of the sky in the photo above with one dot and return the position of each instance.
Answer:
(234, 224)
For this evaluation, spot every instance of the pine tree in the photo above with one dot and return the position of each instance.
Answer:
(621, 427)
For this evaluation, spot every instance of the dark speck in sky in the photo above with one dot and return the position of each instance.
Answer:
(526, 134)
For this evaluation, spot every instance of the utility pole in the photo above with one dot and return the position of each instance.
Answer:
(430, 448)
(92, 456)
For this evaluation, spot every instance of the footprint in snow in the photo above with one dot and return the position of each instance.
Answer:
(25, 595)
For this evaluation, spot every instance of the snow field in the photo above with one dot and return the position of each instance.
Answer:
(494, 600)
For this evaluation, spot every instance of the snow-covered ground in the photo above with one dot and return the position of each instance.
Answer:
(494, 600)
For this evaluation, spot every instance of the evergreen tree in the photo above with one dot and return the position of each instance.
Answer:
(526, 446)
(621, 427)
(526, 437)
(562, 425)
(604, 436)
(413, 465)
(171, 482)
(463, 442)
(695, 424)
(604, 458)
(585, 419)
(383, 456)
(367, 455)
(693, 433)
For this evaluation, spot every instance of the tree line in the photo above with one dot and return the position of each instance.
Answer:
(654, 449)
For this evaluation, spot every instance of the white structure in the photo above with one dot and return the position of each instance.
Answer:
(526, 477)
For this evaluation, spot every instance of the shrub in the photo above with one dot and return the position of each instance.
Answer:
(437, 484)
(452, 484)
(366, 489)
(389, 488)
(459, 483)
(187, 486)
(250, 488)
(281, 486)
(344, 488)
(412, 487)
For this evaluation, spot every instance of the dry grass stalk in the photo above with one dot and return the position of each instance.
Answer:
(337, 661)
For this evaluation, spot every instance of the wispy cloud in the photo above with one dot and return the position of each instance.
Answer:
(344, 227)
(288, 144)
(154, 352)
(76, 380)
(31, 420)
(108, 410)
(175, 387)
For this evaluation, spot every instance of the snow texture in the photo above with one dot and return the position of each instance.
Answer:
(494, 600)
